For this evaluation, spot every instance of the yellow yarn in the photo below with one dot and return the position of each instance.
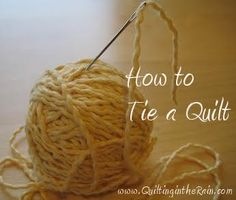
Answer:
(76, 129)
(79, 134)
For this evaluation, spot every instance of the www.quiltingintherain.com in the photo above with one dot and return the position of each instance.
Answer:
(177, 190)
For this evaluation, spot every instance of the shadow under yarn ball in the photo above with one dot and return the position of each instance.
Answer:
(76, 129)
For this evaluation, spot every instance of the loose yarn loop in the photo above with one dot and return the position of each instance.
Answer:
(211, 170)
(22, 163)
(136, 66)
(80, 138)
(137, 44)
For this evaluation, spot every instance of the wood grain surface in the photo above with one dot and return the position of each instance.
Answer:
(39, 35)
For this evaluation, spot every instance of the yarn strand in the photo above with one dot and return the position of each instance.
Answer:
(166, 161)
(136, 65)
(18, 160)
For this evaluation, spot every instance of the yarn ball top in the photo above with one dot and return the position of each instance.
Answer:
(76, 129)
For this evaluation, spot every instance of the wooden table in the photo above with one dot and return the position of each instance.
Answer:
(37, 35)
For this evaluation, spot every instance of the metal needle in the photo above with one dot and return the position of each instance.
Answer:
(131, 18)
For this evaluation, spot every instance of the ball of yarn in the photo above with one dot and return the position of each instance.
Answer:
(75, 128)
